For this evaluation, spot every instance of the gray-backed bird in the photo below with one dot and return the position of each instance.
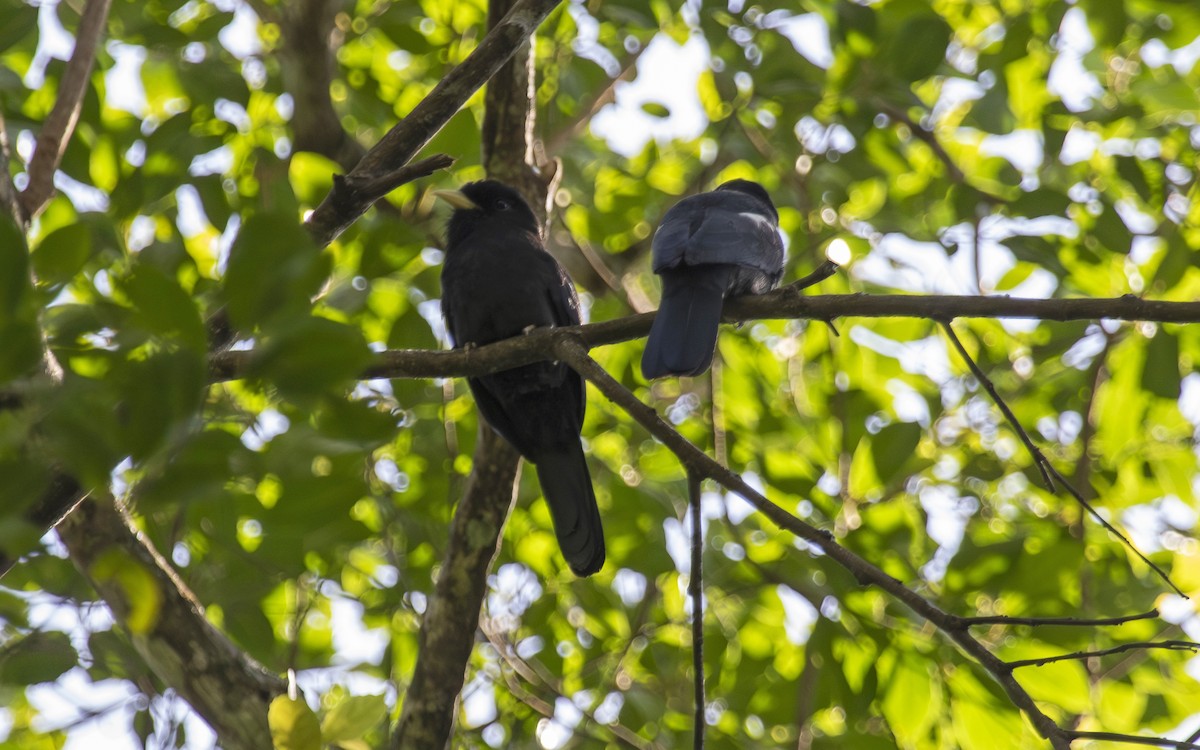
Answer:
(708, 247)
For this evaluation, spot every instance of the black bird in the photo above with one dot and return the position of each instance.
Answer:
(708, 247)
(498, 281)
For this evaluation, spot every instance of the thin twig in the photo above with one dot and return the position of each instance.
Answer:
(1134, 739)
(1068, 621)
(696, 591)
(1038, 459)
(60, 125)
(1112, 529)
(1078, 655)
(822, 272)
(1049, 473)
(528, 673)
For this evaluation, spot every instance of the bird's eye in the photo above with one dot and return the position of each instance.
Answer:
(503, 205)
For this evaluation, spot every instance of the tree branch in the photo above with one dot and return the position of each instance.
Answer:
(696, 592)
(340, 209)
(1044, 464)
(60, 125)
(966, 622)
(572, 350)
(168, 628)
(448, 630)
(782, 304)
(1079, 655)
(1133, 739)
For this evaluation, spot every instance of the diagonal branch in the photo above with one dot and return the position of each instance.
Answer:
(226, 687)
(60, 125)
(571, 349)
(1044, 464)
(341, 208)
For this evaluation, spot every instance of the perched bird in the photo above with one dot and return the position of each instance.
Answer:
(708, 247)
(498, 281)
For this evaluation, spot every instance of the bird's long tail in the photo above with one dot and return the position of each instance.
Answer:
(684, 332)
(565, 481)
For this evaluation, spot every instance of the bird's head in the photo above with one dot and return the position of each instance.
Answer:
(485, 203)
(753, 189)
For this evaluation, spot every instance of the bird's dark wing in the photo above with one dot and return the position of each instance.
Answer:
(723, 227)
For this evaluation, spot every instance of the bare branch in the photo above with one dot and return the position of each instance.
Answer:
(60, 125)
(1079, 655)
(1044, 464)
(1038, 458)
(448, 630)
(1134, 739)
(572, 350)
(353, 193)
(1067, 621)
(408, 136)
(822, 272)
(696, 592)
(785, 303)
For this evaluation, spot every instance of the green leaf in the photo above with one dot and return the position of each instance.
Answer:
(913, 701)
(61, 253)
(310, 355)
(293, 725)
(21, 347)
(1160, 375)
(15, 289)
(1041, 202)
(893, 446)
(138, 586)
(353, 718)
(157, 394)
(1106, 19)
(163, 306)
(36, 658)
(919, 49)
(20, 24)
(856, 26)
(273, 268)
